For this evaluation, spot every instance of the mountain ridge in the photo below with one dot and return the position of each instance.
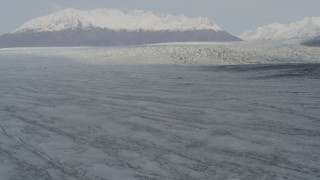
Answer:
(303, 29)
(116, 20)
(109, 27)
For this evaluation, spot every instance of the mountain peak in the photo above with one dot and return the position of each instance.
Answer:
(114, 19)
(112, 27)
(311, 20)
(302, 29)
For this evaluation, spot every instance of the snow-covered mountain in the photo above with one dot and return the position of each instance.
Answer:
(104, 27)
(303, 29)
(116, 20)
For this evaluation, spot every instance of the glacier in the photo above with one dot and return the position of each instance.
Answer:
(169, 111)
(180, 53)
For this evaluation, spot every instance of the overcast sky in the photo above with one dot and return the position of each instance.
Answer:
(234, 16)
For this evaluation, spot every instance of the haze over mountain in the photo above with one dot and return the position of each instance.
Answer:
(304, 29)
(104, 27)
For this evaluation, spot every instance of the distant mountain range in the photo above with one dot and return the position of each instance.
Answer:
(105, 27)
(304, 29)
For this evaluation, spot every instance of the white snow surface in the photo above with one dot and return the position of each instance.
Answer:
(303, 29)
(116, 20)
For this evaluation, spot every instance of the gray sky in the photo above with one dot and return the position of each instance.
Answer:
(235, 16)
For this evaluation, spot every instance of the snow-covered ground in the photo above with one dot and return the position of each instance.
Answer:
(130, 113)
